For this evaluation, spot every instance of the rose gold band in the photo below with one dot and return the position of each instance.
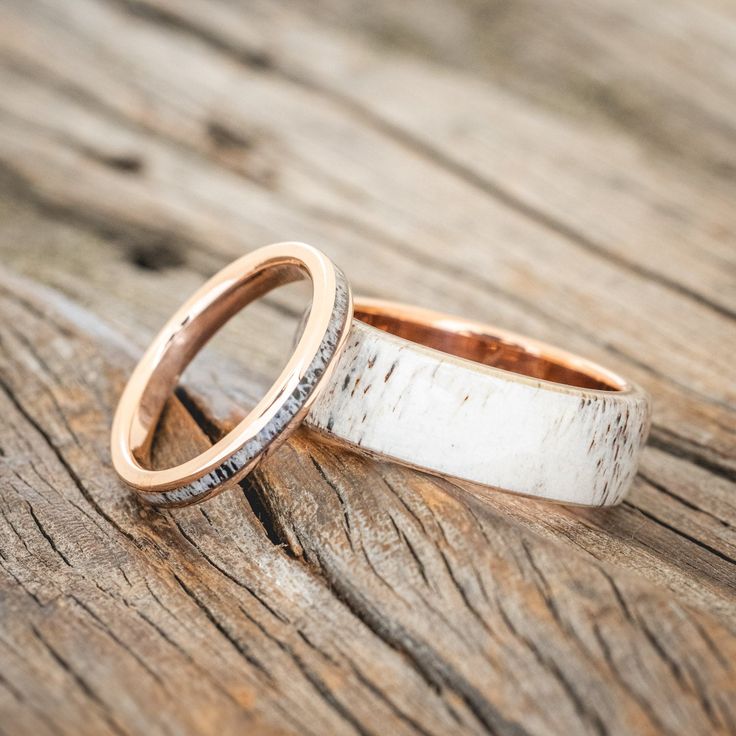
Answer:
(466, 400)
(281, 409)
(485, 344)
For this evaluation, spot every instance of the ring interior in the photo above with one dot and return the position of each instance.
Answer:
(194, 335)
(494, 350)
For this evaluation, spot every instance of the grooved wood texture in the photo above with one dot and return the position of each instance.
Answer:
(561, 169)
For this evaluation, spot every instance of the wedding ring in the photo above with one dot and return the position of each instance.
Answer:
(465, 400)
(276, 414)
(445, 395)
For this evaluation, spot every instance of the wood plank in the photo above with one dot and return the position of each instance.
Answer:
(663, 108)
(155, 606)
(639, 341)
(665, 77)
(100, 180)
(332, 593)
(113, 286)
(398, 550)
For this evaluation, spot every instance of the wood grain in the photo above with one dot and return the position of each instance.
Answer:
(564, 170)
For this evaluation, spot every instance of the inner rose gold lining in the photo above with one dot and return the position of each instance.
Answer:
(499, 348)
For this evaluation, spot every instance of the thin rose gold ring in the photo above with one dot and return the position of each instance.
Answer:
(279, 411)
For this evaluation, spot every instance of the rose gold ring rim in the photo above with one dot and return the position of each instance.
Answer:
(280, 410)
(525, 358)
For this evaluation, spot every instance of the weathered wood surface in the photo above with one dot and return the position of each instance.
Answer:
(566, 170)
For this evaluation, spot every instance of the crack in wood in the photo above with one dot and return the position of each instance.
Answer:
(699, 543)
(84, 686)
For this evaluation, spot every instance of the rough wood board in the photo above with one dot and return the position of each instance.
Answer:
(333, 594)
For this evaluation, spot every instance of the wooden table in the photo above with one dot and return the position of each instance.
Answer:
(564, 169)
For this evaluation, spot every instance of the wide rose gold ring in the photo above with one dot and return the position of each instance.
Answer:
(467, 400)
(279, 411)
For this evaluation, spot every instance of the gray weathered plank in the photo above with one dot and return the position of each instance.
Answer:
(161, 139)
